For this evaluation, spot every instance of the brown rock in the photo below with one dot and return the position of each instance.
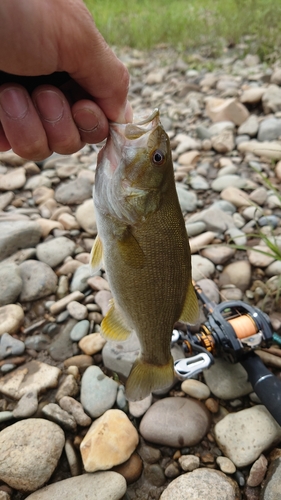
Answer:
(226, 110)
(92, 343)
(257, 472)
(131, 469)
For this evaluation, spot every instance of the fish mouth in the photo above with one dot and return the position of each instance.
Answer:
(132, 131)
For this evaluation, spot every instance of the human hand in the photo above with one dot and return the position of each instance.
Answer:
(41, 38)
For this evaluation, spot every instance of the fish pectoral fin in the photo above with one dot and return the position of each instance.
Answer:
(96, 255)
(113, 326)
(145, 378)
(190, 310)
(130, 250)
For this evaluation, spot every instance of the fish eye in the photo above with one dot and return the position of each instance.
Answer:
(158, 157)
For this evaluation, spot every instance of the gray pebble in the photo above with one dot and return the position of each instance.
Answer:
(62, 347)
(27, 405)
(63, 316)
(187, 199)
(74, 192)
(38, 280)
(9, 346)
(37, 342)
(121, 400)
(80, 278)
(80, 330)
(53, 252)
(10, 283)
(72, 457)
(5, 416)
(55, 413)
(98, 392)
(75, 409)
(7, 367)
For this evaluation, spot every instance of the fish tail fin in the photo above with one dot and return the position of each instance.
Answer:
(146, 377)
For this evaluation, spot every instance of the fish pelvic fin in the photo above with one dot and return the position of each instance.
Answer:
(130, 250)
(114, 326)
(190, 310)
(96, 256)
(145, 378)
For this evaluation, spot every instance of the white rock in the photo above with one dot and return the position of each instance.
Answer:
(244, 435)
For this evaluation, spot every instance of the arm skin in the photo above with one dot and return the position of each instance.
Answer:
(40, 37)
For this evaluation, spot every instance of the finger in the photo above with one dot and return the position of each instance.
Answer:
(91, 121)
(56, 117)
(4, 143)
(21, 124)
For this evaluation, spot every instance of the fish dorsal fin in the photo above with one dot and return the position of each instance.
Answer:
(113, 326)
(190, 310)
(130, 250)
(96, 255)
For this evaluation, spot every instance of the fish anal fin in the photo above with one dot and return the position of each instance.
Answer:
(145, 378)
(113, 326)
(190, 311)
(130, 250)
(96, 255)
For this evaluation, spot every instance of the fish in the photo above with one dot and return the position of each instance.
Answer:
(143, 246)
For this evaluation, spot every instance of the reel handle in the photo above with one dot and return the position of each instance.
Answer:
(265, 384)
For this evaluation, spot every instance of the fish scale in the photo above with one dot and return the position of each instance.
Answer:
(144, 245)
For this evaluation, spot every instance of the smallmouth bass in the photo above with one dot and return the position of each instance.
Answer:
(143, 243)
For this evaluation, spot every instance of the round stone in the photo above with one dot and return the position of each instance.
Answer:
(85, 215)
(98, 486)
(80, 330)
(175, 422)
(38, 280)
(195, 389)
(11, 318)
(202, 483)
(30, 451)
(10, 284)
(77, 311)
(98, 392)
(53, 252)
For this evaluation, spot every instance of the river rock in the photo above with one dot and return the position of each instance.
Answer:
(15, 179)
(18, 234)
(271, 99)
(110, 441)
(30, 451)
(54, 412)
(32, 376)
(85, 215)
(226, 110)
(10, 283)
(80, 330)
(195, 389)
(226, 380)
(187, 199)
(62, 347)
(74, 192)
(53, 252)
(11, 318)
(175, 422)
(98, 392)
(74, 408)
(80, 278)
(38, 280)
(269, 129)
(202, 483)
(27, 405)
(272, 483)
(91, 344)
(77, 311)
(237, 273)
(98, 486)
(5, 199)
(257, 472)
(9, 346)
(244, 435)
(201, 267)
(250, 126)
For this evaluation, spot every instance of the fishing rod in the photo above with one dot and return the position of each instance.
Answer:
(233, 330)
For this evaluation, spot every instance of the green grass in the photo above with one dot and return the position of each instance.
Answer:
(190, 24)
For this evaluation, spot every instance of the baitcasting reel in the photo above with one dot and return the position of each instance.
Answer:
(233, 330)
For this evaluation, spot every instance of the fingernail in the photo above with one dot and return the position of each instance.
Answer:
(14, 102)
(50, 105)
(126, 115)
(86, 120)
